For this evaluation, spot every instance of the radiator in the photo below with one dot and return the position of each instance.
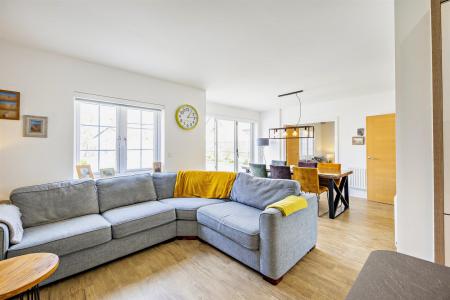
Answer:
(358, 180)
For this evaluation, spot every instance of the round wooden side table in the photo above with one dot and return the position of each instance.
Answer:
(20, 276)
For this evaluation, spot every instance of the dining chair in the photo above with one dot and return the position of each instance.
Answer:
(258, 170)
(309, 182)
(280, 172)
(307, 164)
(329, 168)
(279, 163)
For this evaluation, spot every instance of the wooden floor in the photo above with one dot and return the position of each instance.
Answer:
(193, 270)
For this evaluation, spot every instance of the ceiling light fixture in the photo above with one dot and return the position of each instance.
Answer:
(309, 130)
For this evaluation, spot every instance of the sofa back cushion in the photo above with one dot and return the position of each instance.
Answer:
(125, 190)
(164, 184)
(52, 202)
(261, 192)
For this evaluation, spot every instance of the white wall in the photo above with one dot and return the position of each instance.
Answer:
(47, 83)
(327, 138)
(350, 115)
(414, 128)
(231, 112)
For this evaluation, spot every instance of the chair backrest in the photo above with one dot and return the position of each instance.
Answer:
(280, 172)
(307, 164)
(329, 168)
(279, 162)
(258, 170)
(308, 179)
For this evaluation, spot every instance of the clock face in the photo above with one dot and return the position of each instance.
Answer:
(187, 117)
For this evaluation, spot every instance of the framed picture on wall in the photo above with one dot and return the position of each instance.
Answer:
(9, 105)
(35, 126)
(360, 132)
(358, 140)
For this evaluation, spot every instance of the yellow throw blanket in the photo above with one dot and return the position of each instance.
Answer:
(204, 184)
(290, 205)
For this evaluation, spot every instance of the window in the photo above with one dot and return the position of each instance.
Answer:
(116, 136)
(229, 144)
(306, 144)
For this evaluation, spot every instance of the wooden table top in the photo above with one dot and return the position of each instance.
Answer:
(21, 273)
(327, 175)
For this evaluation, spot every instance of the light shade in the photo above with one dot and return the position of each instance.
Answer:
(262, 142)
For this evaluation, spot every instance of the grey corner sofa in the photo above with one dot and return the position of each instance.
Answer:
(88, 223)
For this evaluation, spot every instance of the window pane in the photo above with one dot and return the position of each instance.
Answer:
(88, 113)
(107, 115)
(133, 138)
(134, 118)
(147, 139)
(107, 159)
(88, 138)
(147, 159)
(107, 138)
(91, 158)
(147, 117)
(244, 142)
(210, 144)
(225, 143)
(133, 159)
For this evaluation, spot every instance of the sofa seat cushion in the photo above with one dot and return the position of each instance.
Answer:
(64, 237)
(186, 208)
(138, 217)
(236, 221)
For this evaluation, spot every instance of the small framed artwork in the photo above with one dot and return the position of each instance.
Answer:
(84, 171)
(34, 126)
(360, 132)
(107, 172)
(358, 140)
(9, 105)
(157, 167)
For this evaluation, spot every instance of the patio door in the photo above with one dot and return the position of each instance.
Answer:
(229, 144)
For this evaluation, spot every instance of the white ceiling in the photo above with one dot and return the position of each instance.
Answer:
(242, 52)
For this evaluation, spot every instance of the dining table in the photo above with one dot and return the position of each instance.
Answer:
(337, 184)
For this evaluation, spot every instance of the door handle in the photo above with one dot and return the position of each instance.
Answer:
(371, 158)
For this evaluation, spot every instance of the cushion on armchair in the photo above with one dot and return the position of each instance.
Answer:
(261, 192)
(52, 202)
(125, 190)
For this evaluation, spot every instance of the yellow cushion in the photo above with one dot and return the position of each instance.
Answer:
(290, 205)
(204, 184)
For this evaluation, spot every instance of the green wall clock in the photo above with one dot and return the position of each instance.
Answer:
(186, 117)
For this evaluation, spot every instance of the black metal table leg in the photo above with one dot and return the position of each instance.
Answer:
(31, 294)
(342, 197)
(331, 207)
(346, 194)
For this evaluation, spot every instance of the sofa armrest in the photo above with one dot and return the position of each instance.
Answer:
(285, 240)
(4, 240)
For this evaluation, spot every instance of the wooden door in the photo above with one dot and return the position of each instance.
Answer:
(381, 158)
(292, 148)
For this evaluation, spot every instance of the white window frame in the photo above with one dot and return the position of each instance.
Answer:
(235, 150)
(121, 128)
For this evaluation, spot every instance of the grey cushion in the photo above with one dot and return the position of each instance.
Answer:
(236, 221)
(164, 184)
(64, 237)
(52, 202)
(261, 192)
(138, 217)
(125, 190)
(186, 208)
